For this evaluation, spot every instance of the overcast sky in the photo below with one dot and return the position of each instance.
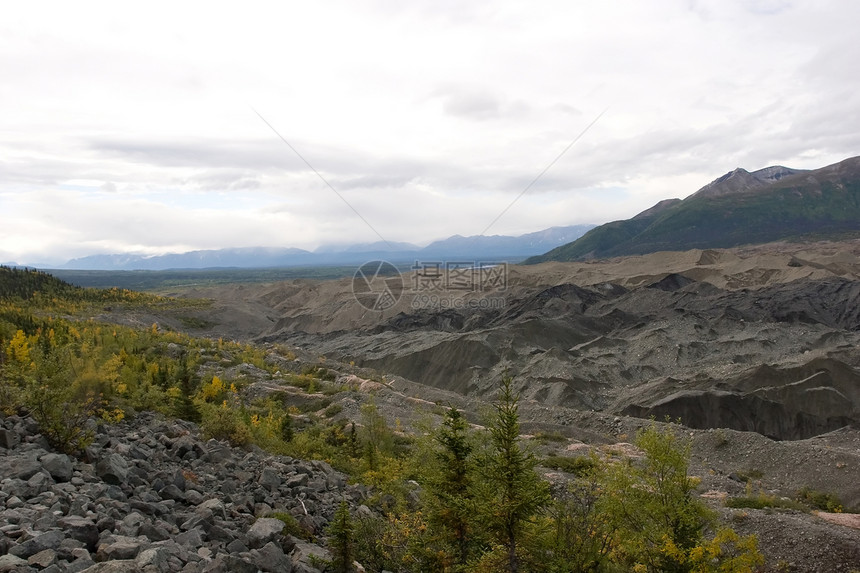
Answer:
(133, 127)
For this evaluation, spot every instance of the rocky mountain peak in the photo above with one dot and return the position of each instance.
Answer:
(774, 173)
(740, 180)
(736, 181)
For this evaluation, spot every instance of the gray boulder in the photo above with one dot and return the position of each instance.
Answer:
(229, 564)
(270, 479)
(82, 529)
(9, 438)
(122, 549)
(19, 468)
(272, 558)
(112, 469)
(40, 542)
(155, 557)
(263, 531)
(43, 559)
(59, 466)
(11, 563)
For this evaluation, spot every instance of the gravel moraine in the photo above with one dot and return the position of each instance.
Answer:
(150, 495)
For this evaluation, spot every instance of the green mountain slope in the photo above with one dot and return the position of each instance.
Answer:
(739, 208)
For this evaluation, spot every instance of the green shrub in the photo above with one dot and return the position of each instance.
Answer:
(223, 423)
(820, 500)
(63, 417)
(748, 475)
(314, 405)
(721, 438)
(577, 465)
(319, 373)
(333, 410)
(547, 437)
(62, 402)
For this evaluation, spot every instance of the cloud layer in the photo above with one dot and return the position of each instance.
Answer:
(136, 130)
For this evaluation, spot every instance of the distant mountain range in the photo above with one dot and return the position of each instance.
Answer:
(478, 248)
(739, 208)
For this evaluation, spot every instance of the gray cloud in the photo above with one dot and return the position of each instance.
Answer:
(428, 117)
(472, 105)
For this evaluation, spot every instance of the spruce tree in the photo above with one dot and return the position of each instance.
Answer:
(449, 489)
(287, 433)
(513, 491)
(342, 540)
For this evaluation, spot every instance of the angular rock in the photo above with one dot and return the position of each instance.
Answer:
(154, 532)
(272, 558)
(218, 533)
(112, 469)
(194, 497)
(59, 466)
(192, 539)
(130, 524)
(46, 520)
(263, 531)
(149, 508)
(203, 519)
(118, 550)
(9, 438)
(47, 540)
(11, 563)
(297, 481)
(19, 468)
(183, 446)
(82, 529)
(39, 483)
(153, 557)
(270, 479)
(304, 552)
(237, 546)
(43, 559)
(170, 491)
(229, 564)
(216, 506)
(71, 549)
(179, 479)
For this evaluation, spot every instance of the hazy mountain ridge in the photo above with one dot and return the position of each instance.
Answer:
(738, 208)
(477, 247)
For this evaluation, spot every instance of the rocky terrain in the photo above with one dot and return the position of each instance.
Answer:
(757, 339)
(151, 496)
(753, 350)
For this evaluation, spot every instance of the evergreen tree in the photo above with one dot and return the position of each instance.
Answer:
(287, 432)
(342, 540)
(352, 441)
(450, 504)
(378, 438)
(513, 492)
(184, 406)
